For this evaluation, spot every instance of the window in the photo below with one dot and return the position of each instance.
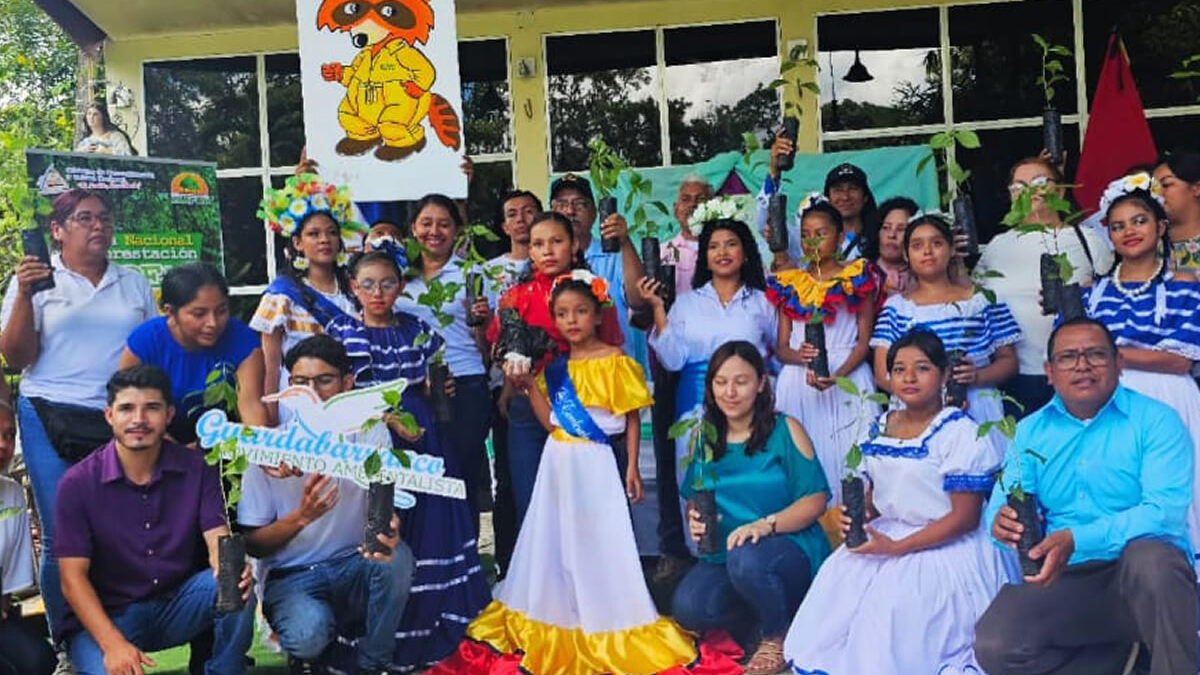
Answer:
(709, 85)
(487, 113)
(991, 77)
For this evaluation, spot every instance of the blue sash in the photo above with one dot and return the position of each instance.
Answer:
(572, 416)
(317, 304)
(689, 393)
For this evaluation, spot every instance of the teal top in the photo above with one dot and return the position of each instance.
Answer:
(750, 487)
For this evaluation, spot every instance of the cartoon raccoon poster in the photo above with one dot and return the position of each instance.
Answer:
(382, 98)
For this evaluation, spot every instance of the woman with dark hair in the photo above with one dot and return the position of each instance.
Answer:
(104, 137)
(770, 491)
(313, 219)
(214, 360)
(1179, 175)
(436, 292)
(883, 242)
(906, 601)
(1150, 309)
(982, 332)
(67, 341)
(1013, 257)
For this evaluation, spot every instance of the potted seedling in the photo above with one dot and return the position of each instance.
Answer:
(793, 79)
(381, 496)
(474, 268)
(1053, 72)
(519, 340)
(814, 328)
(854, 494)
(1023, 501)
(702, 439)
(777, 218)
(1059, 296)
(436, 296)
(605, 167)
(942, 146)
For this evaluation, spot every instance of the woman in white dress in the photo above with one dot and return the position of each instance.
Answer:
(962, 317)
(844, 296)
(907, 600)
(1153, 312)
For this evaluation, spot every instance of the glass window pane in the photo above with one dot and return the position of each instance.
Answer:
(899, 51)
(492, 180)
(875, 142)
(1175, 133)
(996, 63)
(243, 231)
(1158, 35)
(487, 101)
(716, 82)
(285, 108)
(204, 109)
(991, 163)
(603, 85)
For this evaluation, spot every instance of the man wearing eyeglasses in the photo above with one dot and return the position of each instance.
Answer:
(1114, 490)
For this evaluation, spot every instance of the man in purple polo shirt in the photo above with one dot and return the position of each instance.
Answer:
(129, 519)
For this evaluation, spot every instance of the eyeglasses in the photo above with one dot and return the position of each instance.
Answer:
(573, 204)
(89, 220)
(320, 381)
(1019, 186)
(369, 286)
(1069, 359)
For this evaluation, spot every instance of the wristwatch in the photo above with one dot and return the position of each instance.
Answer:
(771, 521)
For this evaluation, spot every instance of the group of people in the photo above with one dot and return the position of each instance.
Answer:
(772, 382)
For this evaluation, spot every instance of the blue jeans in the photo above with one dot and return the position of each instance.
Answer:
(170, 620)
(759, 585)
(307, 605)
(526, 440)
(45, 469)
(472, 406)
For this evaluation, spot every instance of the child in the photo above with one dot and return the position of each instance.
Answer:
(907, 600)
(845, 297)
(448, 588)
(574, 601)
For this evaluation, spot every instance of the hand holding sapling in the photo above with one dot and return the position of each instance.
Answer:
(854, 502)
(702, 438)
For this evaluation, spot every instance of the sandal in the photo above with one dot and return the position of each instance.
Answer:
(767, 659)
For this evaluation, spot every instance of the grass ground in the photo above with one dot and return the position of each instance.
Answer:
(175, 661)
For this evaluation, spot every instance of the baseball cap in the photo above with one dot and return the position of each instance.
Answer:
(846, 173)
(572, 181)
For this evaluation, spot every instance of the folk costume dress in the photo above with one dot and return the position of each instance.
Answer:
(914, 613)
(300, 310)
(975, 325)
(574, 602)
(1164, 316)
(448, 586)
(828, 416)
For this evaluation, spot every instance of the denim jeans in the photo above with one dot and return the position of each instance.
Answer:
(504, 510)
(45, 469)
(759, 585)
(467, 433)
(526, 440)
(23, 651)
(170, 620)
(307, 605)
(671, 538)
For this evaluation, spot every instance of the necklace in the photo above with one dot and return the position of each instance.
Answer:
(1145, 286)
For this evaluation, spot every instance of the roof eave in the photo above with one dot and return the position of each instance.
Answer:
(86, 34)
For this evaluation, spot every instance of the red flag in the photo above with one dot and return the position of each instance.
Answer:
(1118, 136)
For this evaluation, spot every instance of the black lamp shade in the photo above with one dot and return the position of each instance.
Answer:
(858, 72)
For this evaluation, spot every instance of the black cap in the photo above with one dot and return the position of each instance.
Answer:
(846, 173)
(572, 182)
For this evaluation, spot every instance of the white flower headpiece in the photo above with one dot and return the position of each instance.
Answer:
(810, 200)
(597, 285)
(717, 208)
(1127, 185)
(921, 213)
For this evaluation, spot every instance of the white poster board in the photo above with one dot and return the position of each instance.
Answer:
(382, 96)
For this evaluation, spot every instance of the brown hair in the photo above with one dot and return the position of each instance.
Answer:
(1055, 174)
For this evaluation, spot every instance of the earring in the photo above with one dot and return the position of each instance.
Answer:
(342, 259)
(300, 263)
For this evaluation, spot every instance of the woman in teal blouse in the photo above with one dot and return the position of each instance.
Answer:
(770, 491)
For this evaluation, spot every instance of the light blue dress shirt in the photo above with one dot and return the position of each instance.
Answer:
(462, 354)
(1123, 475)
(698, 323)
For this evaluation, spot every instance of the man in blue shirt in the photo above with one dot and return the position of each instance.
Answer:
(1114, 490)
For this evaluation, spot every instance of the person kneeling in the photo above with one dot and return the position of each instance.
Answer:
(130, 517)
(307, 531)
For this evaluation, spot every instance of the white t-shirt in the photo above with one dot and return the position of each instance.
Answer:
(1017, 256)
(16, 543)
(82, 329)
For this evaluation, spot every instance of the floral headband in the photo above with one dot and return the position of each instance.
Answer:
(922, 213)
(302, 196)
(717, 208)
(1127, 185)
(809, 202)
(390, 248)
(597, 285)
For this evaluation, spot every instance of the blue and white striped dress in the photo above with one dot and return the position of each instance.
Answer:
(1164, 317)
(448, 587)
(975, 325)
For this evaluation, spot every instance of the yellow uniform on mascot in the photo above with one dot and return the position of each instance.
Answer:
(388, 84)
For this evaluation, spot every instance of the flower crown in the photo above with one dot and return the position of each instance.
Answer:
(922, 213)
(717, 208)
(810, 200)
(302, 196)
(1127, 185)
(597, 285)
(395, 251)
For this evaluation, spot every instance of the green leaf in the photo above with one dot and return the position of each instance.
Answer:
(1060, 50)
(787, 65)
(393, 397)
(854, 457)
(879, 399)
(369, 425)
(811, 86)
(10, 512)
(967, 139)
(406, 421)
(372, 465)
(923, 163)
(681, 428)
(402, 457)
(775, 84)
(1041, 41)
(213, 376)
(847, 385)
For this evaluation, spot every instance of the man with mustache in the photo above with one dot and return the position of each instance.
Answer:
(1114, 490)
(131, 516)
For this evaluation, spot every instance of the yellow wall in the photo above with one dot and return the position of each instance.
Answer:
(525, 31)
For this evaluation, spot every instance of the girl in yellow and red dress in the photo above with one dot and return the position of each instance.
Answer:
(847, 297)
(575, 602)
